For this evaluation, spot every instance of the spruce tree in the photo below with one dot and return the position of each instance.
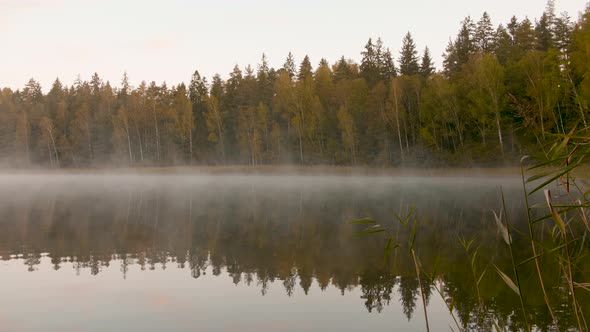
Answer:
(265, 84)
(289, 65)
(450, 62)
(388, 69)
(543, 33)
(426, 67)
(512, 28)
(342, 70)
(305, 69)
(563, 31)
(464, 44)
(408, 61)
(369, 63)
(484, 34)
(217, 87)
(503, 48)
(198, 91)
(525, 36)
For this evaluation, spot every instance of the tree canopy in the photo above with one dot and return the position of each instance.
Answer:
(501, 92)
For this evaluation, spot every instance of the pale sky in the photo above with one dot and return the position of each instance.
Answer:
(168, 40)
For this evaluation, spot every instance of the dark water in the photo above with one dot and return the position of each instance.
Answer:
(253, 253)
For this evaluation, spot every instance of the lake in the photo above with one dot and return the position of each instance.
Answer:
(149, 252)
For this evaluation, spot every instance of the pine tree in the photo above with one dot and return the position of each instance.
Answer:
(232, 85)
(465, 44)
(525, 36)
(426, 67)
(408, 61)
(125, 87)
(512, 28)
(563, 31)
(96, 84)
(369, 64)
(198, 92)
(289, 65)
(450, 62)
(342, 70)
(504, 48)
(543, 33)
(388, 69)
(217, 87)
(379, 57)
(484, 34)
(265, 83)
(305, 69)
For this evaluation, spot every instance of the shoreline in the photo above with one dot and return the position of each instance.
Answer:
(277, 171)
(271, 170)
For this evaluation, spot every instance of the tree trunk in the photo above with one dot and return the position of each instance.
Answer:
(128, 142)
(190, 144)
(300, 145)
(89, 137)
(54, 148)
(500, 134)
(140, 144)
(399, 132)
(157, 133)
(50, 155)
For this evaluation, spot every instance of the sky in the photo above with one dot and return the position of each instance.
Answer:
(168, 40)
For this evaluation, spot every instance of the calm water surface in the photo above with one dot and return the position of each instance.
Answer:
(246, 253)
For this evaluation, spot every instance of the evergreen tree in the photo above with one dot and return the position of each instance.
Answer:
(96, 84)
(459, 52)
(504, 48)
(525, 36)
(265, 82)
(369, 64)
(563, 31)
(426, 67)
(289, 65)
(305, 69)
(484, 34)
(198, 93)
(217, 87)
(451, 64)
(388, 69)
(125, 87)
(543, 33)
(408, 61)
(465, 42)
(342, 70)
(512, 28)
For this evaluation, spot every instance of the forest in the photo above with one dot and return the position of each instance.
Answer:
(502, 92)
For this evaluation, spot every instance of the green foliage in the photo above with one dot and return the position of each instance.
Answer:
(408, 61)
(499, 94)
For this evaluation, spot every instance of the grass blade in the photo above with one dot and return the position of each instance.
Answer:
(553, 178)
(370, 231)
(508, 281)
(363, 221)
(556, 217)
(502, 228)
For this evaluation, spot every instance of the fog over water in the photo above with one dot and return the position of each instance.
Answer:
(182, 252)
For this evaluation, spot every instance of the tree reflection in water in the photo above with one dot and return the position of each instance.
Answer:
(293, 231)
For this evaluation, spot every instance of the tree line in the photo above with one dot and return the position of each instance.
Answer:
(501, 92)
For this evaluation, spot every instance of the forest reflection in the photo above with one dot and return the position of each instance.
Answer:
(260, 230)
